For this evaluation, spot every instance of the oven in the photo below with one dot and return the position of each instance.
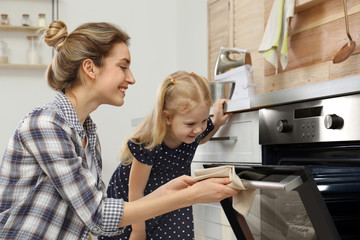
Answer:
(310, 172)
(323, 135)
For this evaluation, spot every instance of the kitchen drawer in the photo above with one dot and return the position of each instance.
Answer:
(236, 141)
(210, 223)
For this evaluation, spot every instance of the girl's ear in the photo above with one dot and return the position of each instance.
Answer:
(167, 117)
(88, 68)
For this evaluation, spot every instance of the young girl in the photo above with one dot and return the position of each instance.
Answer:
(50, 174)
(162, 147)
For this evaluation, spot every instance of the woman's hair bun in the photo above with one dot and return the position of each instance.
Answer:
(55, 34)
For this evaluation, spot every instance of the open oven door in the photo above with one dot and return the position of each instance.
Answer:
(287, 205)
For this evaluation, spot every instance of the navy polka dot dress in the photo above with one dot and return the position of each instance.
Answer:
(167, 164)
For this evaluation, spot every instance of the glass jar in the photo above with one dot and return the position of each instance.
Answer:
(25, 20)
(33, 56)
(4, 19)
(42, 20)
(3, 56)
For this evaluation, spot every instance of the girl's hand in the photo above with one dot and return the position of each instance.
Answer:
(219, 117)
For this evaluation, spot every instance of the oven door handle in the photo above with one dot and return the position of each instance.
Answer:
(288, 184)
(229, 138)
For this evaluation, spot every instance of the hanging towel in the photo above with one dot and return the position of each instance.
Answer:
(275, 38)
(243, 200)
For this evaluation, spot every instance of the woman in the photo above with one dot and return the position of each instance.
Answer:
(50, 175)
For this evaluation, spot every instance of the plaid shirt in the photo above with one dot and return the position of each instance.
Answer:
(47, 190)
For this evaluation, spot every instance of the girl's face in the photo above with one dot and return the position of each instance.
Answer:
(185, 127)
(114, 76)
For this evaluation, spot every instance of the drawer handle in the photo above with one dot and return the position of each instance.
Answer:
(230, 138)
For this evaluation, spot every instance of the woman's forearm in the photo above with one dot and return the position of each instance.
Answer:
(178, 193)
(143, 209)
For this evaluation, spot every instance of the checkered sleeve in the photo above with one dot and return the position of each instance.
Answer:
(112, 214)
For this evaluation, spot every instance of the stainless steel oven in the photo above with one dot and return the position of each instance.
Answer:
(325, 136)
(318, 143)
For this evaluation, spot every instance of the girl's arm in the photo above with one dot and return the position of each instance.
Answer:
(219, 118)
(139, 176)
(178, 193)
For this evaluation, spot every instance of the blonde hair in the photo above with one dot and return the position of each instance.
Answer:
(89, 41)
(179, 92)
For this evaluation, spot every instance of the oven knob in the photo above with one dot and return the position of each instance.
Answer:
(333, 121)
(283, 126)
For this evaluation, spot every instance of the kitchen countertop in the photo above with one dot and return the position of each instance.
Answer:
(332, 88)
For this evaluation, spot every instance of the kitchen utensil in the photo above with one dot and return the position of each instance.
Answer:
(349, 47)
(221, 90)
(230, 58)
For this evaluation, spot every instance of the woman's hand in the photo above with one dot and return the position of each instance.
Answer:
(178, 193)
(212, 190)
(206, 191)
(175, 185)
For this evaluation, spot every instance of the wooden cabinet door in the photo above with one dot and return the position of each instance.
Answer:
(219, 33)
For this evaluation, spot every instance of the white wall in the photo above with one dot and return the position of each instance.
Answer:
(166, 36)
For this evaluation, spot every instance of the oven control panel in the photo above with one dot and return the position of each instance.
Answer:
(331, 119)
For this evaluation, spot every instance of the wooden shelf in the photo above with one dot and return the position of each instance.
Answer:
(19, 28)
(302, 5)
(23, 66)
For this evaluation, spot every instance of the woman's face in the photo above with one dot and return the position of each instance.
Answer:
(114, 76)
(185, 127)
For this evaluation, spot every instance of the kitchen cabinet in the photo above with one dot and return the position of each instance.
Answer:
(235, 142)
(240, 24)
(317, 32)
(219, 30)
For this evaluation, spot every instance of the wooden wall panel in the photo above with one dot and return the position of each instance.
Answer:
(248, 32)
(319, 33)
(316, 34)
(218, 30)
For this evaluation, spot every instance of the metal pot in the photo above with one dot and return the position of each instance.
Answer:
(221, 90)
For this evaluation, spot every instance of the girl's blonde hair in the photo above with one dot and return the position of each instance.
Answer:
(179, 93)
(89, 41)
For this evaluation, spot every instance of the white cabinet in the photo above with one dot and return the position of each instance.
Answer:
(235, 142)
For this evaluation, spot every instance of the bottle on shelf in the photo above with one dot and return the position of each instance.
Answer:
(25, 20)
(33, 56)
(42, 20)
(3, 56)
(4, 19)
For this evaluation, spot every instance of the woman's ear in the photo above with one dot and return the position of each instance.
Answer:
(167, 117)
(88, 68)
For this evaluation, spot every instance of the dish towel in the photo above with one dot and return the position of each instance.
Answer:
(243, 200)
(275, 38)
